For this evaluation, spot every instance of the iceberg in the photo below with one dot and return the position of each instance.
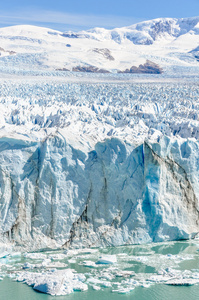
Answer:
(55, 282)
(107, 259)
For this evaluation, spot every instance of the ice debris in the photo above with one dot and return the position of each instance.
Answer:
(107, 259)
(55, 282)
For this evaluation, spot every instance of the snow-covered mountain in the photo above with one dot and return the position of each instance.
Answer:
(165, 42)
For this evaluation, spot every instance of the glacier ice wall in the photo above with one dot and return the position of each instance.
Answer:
(54, 194)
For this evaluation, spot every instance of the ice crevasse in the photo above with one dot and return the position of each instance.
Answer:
(55, 193)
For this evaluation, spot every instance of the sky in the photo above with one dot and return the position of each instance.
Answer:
(75, 15)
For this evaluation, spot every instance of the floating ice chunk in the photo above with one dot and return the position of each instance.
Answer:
(107, 276)
(50, 287)
(80, 287)
(56, 264)
(27, 265)
(57, 256)
(123, 290)
(80, 277)
(87, 251)
(93, 280)
(97, 281)
(125, 274)
(34, 255)
(72, 261)
(130, 282)
(145, 285)
(107, 259)
(106, 284)
(181, 282)
(96, 288)
(15, 254)
(4, 254)
(46, 262)
(89, 263)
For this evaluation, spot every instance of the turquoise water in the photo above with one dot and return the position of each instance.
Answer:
(143, 260)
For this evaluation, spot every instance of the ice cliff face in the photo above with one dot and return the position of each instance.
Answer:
(54, 194)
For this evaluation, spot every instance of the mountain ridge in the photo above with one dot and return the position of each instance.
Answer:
(166, 42)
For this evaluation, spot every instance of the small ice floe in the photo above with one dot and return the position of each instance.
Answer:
(28, 266)
(145, 285)
(96, 288)
(89, 264)
(87, 251)
(72, 261)
(15, 254)
(123, 290)
(34, 255)
(96, 281)
(181, 282)
(47, 263)
(107, 259)
(57, 256)
(159, 278)
(166, 274)
(106, 284)
(107, 276)
(74, 252)
(93, 280)
(195, 275)
(125, 274)
(4, 254)
(130, 282)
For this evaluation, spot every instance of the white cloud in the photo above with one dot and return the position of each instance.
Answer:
(65, 21)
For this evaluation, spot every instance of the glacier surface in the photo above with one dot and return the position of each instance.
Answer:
(97, 164)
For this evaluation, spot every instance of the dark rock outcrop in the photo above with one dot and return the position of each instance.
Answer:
(89, 69)
(105, 52)
(148, 68)
(62, 69)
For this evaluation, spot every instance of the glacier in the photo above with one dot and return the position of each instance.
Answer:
(91, 164)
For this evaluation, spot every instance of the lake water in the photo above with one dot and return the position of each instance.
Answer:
(152, 265)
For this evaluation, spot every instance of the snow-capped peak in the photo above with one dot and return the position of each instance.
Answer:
(144, 32)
